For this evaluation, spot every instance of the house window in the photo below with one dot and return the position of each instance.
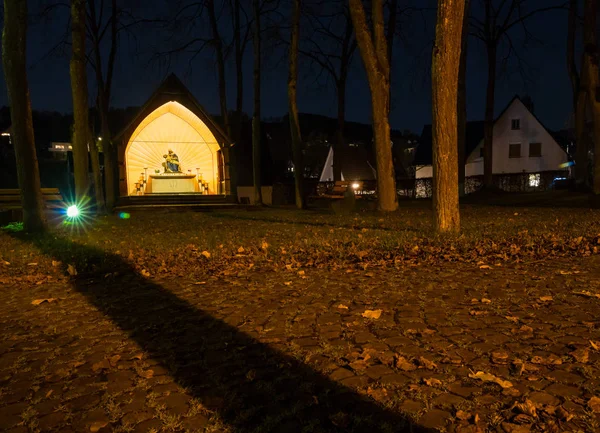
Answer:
(481, 153)
(535, 149)
(534, 180)
(515, 124)
(514, 150)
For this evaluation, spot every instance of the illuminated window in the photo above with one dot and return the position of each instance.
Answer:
(534, 180)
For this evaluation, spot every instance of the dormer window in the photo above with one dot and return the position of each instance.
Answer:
(515, 124)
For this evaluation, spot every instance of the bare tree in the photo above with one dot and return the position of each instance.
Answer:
(97, 32)
(592, 71)
(374, 52)
(579, 86)
(444, 76)
(331, 45)
(256, 137)
(218, 46)
(462, 102)
(500, 18)
(80, 106)
(293, 107)
(14, 44)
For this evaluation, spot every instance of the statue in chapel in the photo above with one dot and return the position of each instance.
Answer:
(171, 164)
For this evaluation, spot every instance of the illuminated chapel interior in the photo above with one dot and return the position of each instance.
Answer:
(173, 147)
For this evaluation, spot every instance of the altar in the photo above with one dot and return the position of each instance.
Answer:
(172, 183)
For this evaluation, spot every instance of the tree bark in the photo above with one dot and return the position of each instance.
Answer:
(373, 49)
(103, 99)
(293, 115)
(591, 53)
(579, 88)
(80, 105)
(444, 76)
(14, 44)
(256, 138)
(218, 44)
(95, 159)
(462, 102)
(488, 179)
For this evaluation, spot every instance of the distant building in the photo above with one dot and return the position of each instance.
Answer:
(526, 156)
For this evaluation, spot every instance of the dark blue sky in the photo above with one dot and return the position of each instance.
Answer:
(136, 78)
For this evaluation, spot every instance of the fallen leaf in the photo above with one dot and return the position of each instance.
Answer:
(251, 375)
(145, 273)
(301, 272)
(379, 394)
(49, 393)
(527, 408)
(595, 344)
(403, 364)
(264, 245)
(41, 301)
(486, 377)
(581, 355)
(432, 382)
(563, 414)
(206, 254)
(342, 307)
(137, 356)
(587, 293)
(512, 318)
(485, 267)
(550, 360)
(241, 250)
(199, 283)
(546, 298)
(32, 264)
(499, 357)
(146, 374)
(462, 415)
(97, 425)
(372, 314)
(486, 301)
(113, 360)
(55, 263)
(594, 404)
(71, 270)
(429, 365)
(102, 365)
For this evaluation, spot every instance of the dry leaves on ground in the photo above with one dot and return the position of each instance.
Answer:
(372, 314)
(41, 301)
(486, 377)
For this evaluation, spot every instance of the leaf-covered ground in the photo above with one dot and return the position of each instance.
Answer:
(276, 320)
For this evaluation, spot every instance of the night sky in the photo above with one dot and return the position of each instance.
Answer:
(136, 76)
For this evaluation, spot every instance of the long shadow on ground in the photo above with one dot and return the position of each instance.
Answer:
(212, 360)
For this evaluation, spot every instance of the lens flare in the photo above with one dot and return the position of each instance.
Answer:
(72, 211)
(124, 216)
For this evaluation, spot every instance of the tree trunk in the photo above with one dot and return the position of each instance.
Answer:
(239, 72)
(15, 74)
(103, 100)
(591, 52)
(293, 115)
(80, 105)
(462, 103)
(488, 179)
(256, 138)
(339, 143)
(218, 44)
(579, 88)
(373, 49)
(445, 68)
(98, 188)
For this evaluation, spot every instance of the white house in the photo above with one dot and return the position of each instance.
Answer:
(521, 146)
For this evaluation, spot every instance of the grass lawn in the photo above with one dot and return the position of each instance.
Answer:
(277, 320)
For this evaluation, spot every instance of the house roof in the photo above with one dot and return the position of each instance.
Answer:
(475, 133)
(172, 89)
(424, 154)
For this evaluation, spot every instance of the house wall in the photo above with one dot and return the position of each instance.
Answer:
(531, 131)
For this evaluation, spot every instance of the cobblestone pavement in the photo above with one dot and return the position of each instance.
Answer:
(455, 348)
